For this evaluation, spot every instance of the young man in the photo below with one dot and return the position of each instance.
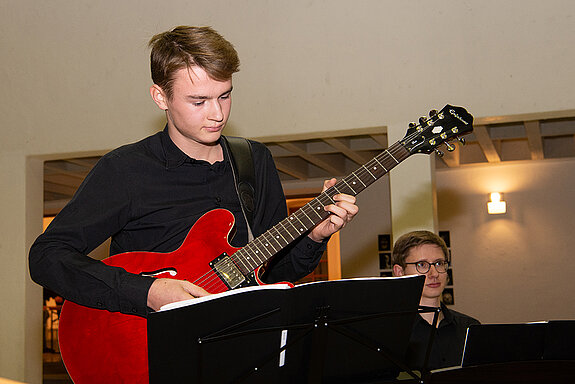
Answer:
(425, 253)
(147, 195)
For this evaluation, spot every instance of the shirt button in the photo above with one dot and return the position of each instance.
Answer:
(218, 200)
(99, 304)
(134, 310)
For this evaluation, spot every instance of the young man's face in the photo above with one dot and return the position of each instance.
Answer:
(434, 281)
(198, 109)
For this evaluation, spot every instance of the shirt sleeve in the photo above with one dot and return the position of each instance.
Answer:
(302, 256)
(59, 259)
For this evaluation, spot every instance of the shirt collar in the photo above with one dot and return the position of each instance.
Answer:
(174, 156)
(447, 315)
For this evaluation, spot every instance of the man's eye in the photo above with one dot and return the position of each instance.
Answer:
(422, 264)
(198, 103)
(226, 96)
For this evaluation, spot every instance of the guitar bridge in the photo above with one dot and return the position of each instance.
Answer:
(227, 271)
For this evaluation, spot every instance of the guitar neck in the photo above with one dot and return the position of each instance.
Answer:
(262, 248)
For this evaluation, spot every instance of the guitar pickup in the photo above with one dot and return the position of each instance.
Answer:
(227, 271)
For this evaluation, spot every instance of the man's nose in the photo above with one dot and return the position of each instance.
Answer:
(216, 113)
(433, 270)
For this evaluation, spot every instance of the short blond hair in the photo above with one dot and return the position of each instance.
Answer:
(410, 240)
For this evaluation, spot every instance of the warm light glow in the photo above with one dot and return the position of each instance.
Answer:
(496, 205)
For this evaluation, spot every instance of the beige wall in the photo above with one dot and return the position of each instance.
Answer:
(74, 79)
(515, 267)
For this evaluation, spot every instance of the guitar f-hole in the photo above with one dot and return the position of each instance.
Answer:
(164, 272)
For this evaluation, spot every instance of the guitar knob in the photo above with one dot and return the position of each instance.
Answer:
(450, 147)
(438, 152)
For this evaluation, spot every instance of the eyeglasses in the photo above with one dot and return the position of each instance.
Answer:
(424, 266)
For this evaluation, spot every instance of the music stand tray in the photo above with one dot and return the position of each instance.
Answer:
(341, 331)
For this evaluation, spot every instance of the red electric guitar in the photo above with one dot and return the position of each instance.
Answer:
(99, 346)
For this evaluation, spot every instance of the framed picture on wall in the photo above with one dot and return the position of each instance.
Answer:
(445, 236)
(447, 297)
(449, 277)
(385, 260)
(384, 242)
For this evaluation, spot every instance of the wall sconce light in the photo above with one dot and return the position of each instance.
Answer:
(496, 205)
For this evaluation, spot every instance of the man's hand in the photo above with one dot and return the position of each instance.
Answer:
(342, 211)
(166, 291)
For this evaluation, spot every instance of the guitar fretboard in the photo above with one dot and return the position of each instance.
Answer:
(262, 248)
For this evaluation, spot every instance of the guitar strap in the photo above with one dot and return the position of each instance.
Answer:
(244, 176)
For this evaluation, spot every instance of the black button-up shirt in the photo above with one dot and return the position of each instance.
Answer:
(146, 196)
(448, 342)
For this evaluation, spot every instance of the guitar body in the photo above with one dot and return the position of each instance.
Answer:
(99, 346)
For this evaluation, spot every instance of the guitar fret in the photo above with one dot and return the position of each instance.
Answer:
(394, 158)
(256, 252)
(372, 175)
(315, 210)
(288, 230)
(358, 179)
(385, 169)
(303, 228)
(351, 191)
(274, 237)
(264, 247)
(282, 237)
(264, 244)
(243, 261)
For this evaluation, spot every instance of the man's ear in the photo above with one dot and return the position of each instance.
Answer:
(159, 97)
(398, 270)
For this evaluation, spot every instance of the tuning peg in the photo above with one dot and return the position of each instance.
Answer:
(450, 148)
(423, 121)
(412, 125)
(433, 113)
(438, 152)
(461, 140)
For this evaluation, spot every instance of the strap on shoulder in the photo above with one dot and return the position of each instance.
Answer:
(244, 173)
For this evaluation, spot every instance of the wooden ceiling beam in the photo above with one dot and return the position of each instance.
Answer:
(486, 144)
(339, 145)
(310, 158)
(533, 131)
(290, 170)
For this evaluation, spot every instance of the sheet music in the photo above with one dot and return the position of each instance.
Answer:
(237, 291)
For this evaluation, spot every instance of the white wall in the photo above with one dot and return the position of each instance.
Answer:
(519, 266)
(74, 80)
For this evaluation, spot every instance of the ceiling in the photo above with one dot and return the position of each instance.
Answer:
(530, 137)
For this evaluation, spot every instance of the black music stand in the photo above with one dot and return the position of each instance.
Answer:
(501, 343)
(343, 331)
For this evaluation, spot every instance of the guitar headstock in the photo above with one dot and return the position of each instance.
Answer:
(439, 127)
